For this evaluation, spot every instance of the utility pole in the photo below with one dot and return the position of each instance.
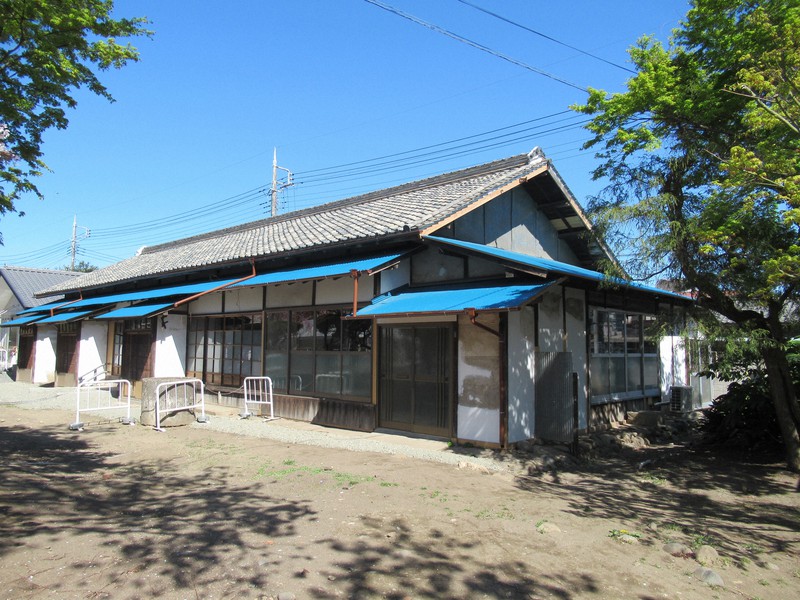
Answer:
(74, 244)
(276, 187)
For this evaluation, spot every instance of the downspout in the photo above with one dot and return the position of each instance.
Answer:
(60, 306)
(219, 287)
(355, 274)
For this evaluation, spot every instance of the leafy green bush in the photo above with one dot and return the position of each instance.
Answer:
(745, 415)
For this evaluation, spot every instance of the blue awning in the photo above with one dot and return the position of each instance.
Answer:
(177, 290)
(65, 317)
(550, 266)
(139, 311)
(339, 269)
(453, 299)
(22, 321)
(42, 308)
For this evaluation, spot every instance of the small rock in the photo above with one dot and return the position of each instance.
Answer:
(547, 527)
(286, 596)
(628, 539)
(468, 465)
(706, 555)
(676, 549)
(708, 577)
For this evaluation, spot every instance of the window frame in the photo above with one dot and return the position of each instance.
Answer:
(604, 350)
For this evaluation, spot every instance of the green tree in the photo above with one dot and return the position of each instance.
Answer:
(48, 50)
(702, 157)
(81, 266)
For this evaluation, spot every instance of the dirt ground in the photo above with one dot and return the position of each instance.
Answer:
(119, 511)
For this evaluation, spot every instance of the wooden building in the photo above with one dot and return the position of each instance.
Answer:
(467, 306)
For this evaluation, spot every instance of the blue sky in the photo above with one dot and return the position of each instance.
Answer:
(187, 147)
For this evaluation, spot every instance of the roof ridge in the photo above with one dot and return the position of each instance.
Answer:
(420, 184)
(39, 270)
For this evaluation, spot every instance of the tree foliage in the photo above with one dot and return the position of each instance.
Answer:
(81, 266)
(48, 50)
(702, 159)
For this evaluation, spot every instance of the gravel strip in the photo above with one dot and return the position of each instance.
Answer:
(337, 439)
(280, 430)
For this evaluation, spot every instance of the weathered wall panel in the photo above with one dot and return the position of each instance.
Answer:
(521, 347)
(575, 308)
(244, 300)
(297, 294)
(551, 321)
(478, 381)
(431, 266)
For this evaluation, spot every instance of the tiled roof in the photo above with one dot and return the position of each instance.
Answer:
(410, 207)
(24, 282)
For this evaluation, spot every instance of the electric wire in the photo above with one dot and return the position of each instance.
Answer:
(461, 139)
(475, 45)
(241, 208)
(545, 36)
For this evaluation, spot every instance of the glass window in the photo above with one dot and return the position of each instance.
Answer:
(224, 350)
(305, 351)
(277, 349)
(624, 354)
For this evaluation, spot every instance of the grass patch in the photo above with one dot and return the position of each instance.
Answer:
(267, 471)
(653, 478)
(500, 513)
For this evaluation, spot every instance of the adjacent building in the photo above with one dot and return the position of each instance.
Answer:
(17, 288)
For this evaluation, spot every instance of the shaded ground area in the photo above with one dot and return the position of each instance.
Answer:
(126, 512)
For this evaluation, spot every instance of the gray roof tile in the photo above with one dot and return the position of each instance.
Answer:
(412, 206)
(24, 282)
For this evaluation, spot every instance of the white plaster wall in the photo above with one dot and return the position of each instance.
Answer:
(170, 358)
(340, 290)
(207, 305)
(521, 340)
(243, 299)
(575, 308)
(298, 294)
(92, 347)
(44, 362)
(396, 277)
(672, 353)
(551, 322)
(479, 424)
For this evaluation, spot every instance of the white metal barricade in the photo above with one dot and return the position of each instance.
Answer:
(180, 395)
(106, 394)
(257, 390)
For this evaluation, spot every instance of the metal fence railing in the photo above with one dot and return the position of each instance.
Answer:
(174, 396)
(257, 391)
(103, 395)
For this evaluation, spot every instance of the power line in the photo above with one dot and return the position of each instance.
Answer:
(545, 36)
(469, 137)
(474, 44)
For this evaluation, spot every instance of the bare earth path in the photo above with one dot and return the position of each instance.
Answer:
(126, 512)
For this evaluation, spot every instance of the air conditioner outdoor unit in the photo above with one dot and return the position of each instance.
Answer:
(682, 399)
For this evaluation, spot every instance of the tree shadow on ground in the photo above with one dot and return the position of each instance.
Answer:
(57, 486)
(703, 493)
(434, 564)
